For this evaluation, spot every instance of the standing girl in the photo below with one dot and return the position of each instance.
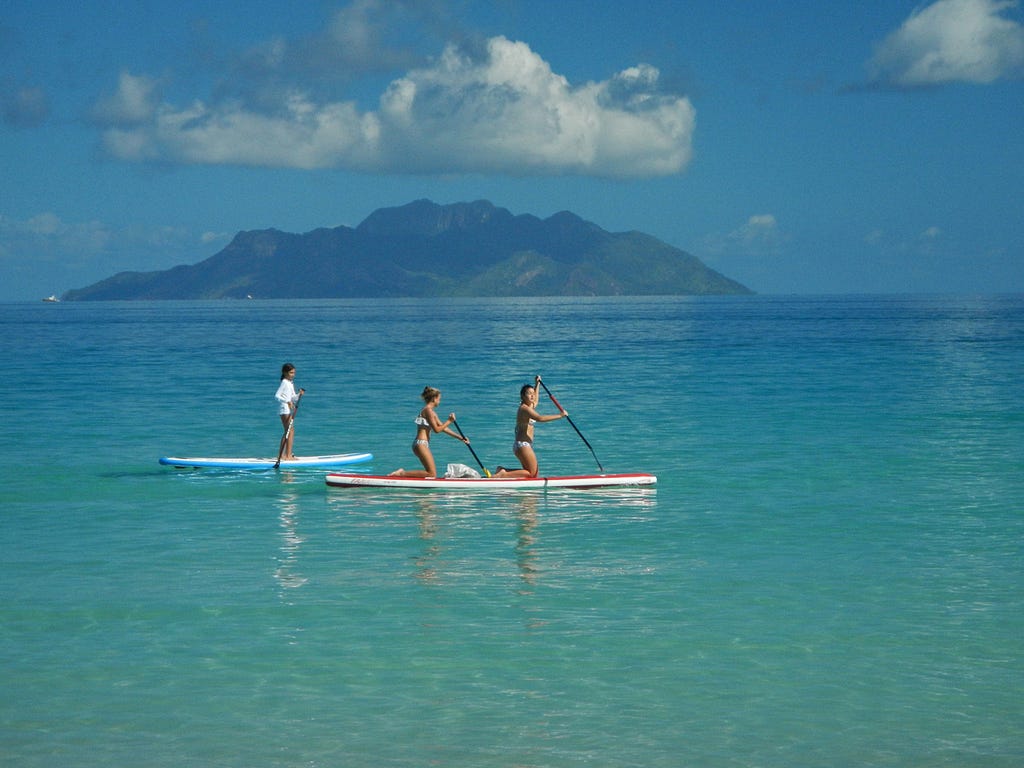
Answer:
(287, 400)
(428, 422)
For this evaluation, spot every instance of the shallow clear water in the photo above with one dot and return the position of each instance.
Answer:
(829, 570)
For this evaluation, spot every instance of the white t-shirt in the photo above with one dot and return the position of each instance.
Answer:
(285, 396)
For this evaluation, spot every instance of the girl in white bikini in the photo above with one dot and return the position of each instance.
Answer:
(526, 417)
(427, 422)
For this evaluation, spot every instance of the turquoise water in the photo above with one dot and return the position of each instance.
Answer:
(829, 571)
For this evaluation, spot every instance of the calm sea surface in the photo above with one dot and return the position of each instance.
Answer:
(828, 573)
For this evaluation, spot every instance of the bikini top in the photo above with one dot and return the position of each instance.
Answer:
(421, 422)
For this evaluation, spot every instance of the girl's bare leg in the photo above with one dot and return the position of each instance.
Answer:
(528, 459)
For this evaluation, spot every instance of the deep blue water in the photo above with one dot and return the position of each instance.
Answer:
(829, 571)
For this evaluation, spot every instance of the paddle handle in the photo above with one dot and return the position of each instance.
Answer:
(558, 405)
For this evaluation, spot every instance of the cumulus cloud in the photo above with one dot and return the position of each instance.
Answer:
(496, 108)
(949, 41)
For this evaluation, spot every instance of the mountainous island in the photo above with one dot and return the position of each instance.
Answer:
(423, 249)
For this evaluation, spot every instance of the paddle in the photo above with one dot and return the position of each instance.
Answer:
(558, 405)
(457, 427)
(288, 431)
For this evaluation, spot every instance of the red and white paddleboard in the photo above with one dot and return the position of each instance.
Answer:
(342, 480)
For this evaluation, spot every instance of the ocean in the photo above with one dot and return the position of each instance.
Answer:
(828, 572)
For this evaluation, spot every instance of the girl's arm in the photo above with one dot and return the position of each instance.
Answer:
(542, 417)
(435, 421)
(554, 416)
(536, 416)
(442, 426)
(283, 394)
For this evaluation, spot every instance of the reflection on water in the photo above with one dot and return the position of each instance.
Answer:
(516, 540)
(426, 562)
(434, 511)
(286, 574)
(568, 504)
(526, 543)
(443, 518)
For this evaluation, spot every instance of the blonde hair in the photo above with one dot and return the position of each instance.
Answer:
(429, 393)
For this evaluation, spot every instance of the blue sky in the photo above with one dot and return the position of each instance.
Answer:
(798, 147)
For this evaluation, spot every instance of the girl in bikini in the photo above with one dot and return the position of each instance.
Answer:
(428, 422)
(526, 417)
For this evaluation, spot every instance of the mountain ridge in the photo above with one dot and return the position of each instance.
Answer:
(424, 249)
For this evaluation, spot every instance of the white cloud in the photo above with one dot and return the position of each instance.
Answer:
(906, 241)
(302, 135)
(761, 221)
(44, 224)
(501, 111)
(760, 235)
(134, 102)
(761, 230)
(951, 41)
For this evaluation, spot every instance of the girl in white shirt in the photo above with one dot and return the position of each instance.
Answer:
(286, 400)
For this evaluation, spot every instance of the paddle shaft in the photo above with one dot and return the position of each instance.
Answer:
(288, 431)
(568, 418)
(459, 429)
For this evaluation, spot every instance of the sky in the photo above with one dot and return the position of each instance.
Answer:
(798, 147)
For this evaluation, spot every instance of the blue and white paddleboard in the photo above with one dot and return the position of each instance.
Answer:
(323, 462)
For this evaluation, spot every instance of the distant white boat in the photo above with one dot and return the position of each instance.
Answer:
(51, 299)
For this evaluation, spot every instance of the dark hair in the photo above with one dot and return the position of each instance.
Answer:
(286, 369)
(522, 390)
